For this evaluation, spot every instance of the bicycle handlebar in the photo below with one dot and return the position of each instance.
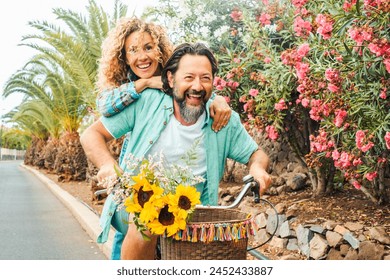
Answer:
(250, 184)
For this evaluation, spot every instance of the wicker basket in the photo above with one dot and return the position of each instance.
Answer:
(212, 234)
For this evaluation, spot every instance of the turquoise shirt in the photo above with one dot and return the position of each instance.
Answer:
(147, 118)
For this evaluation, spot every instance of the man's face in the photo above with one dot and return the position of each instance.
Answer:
(192, 86)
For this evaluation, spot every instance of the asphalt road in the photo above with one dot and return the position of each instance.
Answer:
(34, 224)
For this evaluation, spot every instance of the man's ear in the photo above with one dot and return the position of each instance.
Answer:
(170, 79)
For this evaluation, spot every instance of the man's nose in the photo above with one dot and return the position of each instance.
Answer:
(197, 85)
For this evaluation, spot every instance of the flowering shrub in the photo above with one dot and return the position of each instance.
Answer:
(160, 196)
(317, 72)
(313, 72)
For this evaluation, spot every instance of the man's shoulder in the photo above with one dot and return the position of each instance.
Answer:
(151, 96)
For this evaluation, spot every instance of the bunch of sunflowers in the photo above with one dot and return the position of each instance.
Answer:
(160, 196)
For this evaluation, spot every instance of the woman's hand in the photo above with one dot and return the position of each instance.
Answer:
(220, 112)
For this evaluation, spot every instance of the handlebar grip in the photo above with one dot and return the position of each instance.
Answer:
(254, 188)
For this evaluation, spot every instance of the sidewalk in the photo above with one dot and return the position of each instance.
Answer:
(84, 215)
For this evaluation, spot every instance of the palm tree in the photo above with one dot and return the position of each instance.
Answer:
(59, 82)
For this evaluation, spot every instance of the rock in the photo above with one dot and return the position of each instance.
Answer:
(318, 247)
(379, 234)
(292, 211)
(330, 225)
(285, 231)
(351, 240)
(340, 229)
(292, 244)
(351, 255)
(353, 226)
(278, 242)
(370, 251)
(289, 258)
(333, 238)
(297, 182)
(317, 229)
(387, 258)
(281, 207)
(334, 254)
(261, 220)
(344, 248)
(262, 236)
(304, 236)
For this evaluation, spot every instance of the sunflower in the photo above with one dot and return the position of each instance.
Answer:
(184, 200)
(167, 221)
(151, 208)
(142, 192)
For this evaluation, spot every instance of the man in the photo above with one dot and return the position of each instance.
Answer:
(170, 123)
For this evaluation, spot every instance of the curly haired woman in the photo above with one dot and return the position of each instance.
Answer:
(133, 56)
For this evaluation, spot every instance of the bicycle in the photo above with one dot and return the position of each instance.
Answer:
(250, 185)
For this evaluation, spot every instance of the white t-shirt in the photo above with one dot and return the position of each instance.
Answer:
(177, 139)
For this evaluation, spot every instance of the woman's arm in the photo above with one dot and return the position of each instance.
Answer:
(220, 112)
(111, 102)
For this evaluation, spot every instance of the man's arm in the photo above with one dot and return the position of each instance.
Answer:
(94, 141)
(258, 165)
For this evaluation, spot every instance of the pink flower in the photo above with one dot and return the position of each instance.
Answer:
(357, 162)
(281, 105)
(299, 3)
(383, 93)
(386, 62)
(302, 28)
(253, 92)
(387, 140)
(227, 98)
(305, 102)
(265, 19)
(335, 155)
(302, 69)
(356, 185)
(303, 50)
(347, 6)
(267, 60)
(242, 98)
(340, 117)
(333, 88)
(325, 26)
(236, 15)
(360, 34)
(271, 132)
(367, 147)
(332, 75)
(371, 176)
(219, 83)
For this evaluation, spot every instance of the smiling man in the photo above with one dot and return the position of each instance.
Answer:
(170, 123)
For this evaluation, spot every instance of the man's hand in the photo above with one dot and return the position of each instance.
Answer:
(107, 171)
(258, 164)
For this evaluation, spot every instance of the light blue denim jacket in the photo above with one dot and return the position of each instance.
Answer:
(147, 118)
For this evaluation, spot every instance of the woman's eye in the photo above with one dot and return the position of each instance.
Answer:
(148, 48)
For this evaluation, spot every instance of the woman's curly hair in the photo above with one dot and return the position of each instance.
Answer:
(113, 69)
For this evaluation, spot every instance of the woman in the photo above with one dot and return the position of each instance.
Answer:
(133, 56)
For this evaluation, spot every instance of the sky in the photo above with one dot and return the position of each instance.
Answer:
(14, 18)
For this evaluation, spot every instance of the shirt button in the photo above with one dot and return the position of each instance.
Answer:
(165, 123)
(165, 106)
(150, 142)
(110, 214)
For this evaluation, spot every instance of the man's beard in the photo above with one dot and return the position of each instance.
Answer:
(190, 113)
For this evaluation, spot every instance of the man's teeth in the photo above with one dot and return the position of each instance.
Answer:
(194, 96)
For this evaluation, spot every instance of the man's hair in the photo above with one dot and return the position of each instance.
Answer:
(173, 62)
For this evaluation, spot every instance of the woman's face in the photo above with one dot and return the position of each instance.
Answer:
(142, 55)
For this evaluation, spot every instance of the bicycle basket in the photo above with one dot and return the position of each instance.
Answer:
(211, 234)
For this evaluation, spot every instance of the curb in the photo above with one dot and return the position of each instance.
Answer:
(88, 219)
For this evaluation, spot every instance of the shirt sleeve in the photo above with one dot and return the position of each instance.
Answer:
(111, 102)
(243, 145)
